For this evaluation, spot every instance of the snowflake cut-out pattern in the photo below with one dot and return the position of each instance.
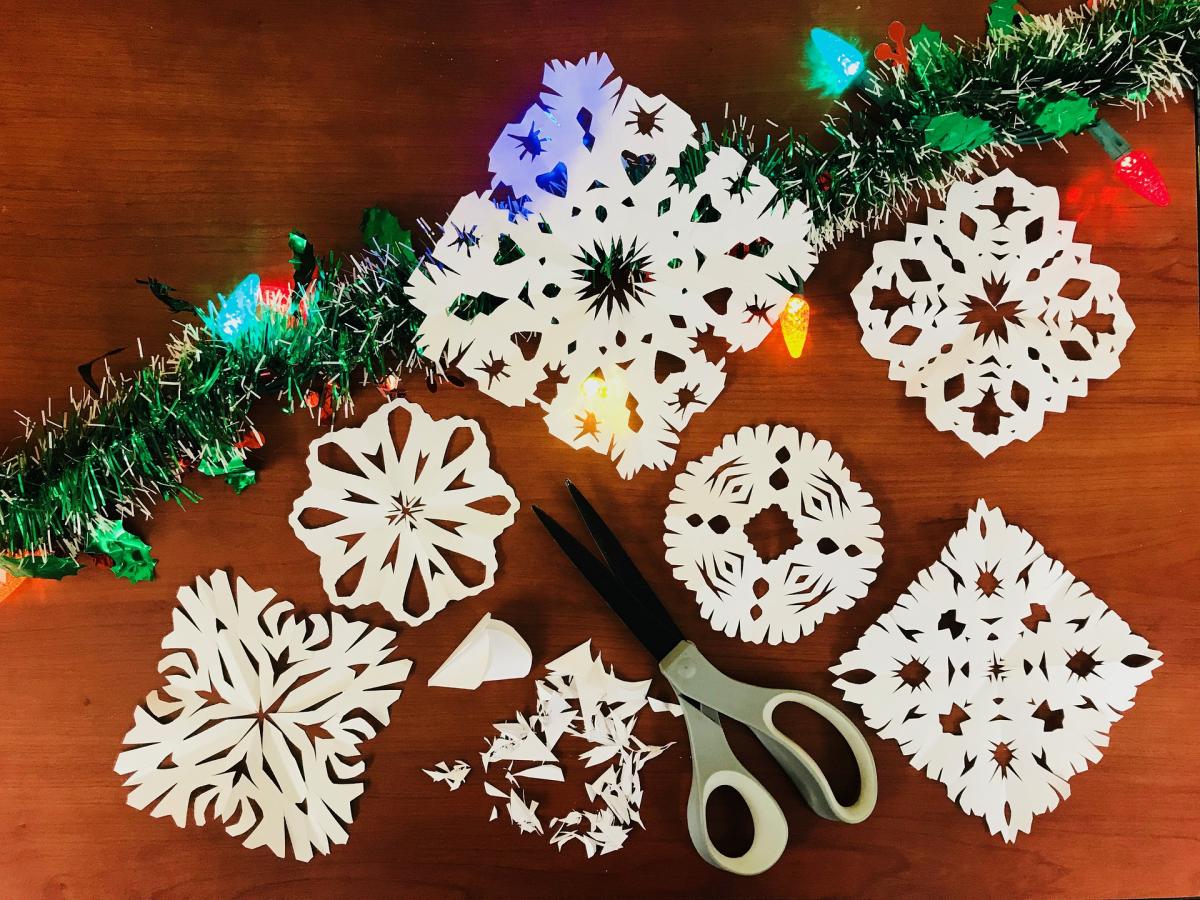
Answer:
(404, 510)
(835, 538)
(991, 312)
(260, 718)
(997, 673)
(605, 278)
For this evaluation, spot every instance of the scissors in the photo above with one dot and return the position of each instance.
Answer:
(705, 695)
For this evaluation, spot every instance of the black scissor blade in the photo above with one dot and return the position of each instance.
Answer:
(644, 623)
(612, 551)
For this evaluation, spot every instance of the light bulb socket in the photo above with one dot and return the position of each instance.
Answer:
(1110, 139)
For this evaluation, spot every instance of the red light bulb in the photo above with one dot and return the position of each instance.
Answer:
(1139, 173)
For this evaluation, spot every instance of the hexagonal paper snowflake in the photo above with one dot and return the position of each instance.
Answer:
(997, 673)
(404, 511)
(603, 277)
(991, 312)
(260, 719)
(817, 556)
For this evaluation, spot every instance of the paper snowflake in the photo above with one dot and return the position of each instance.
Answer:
(997, 673)
(404, 510)
(612, 276)
(777, 479)
(991, 312)
(260, 718)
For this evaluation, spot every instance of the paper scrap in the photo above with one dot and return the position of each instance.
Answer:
(546, 772)
(261, 718)
(998, 673)
(601, 278)
(659, 706)
(826, 541)
(991, 312)
(523, 814)
(452, 776)
(389, 523)
(579, 698)
(492, 651)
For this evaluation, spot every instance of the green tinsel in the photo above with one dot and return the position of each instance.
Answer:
(117, 452)
(1122, 52)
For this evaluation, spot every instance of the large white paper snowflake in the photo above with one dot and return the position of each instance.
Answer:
(611, 286)
(991, 312)
(772, 476)
(404, 510)
(260, 718)
(997, 673)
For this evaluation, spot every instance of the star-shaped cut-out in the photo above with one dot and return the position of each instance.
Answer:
(991, 314)
(494, 368)
(465, 239)
(589, 425)
(532, 144)
(646, 121)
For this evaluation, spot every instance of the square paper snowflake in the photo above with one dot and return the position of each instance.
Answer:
(991, 312)
(998, 673)
(260, 718)
(607, 273)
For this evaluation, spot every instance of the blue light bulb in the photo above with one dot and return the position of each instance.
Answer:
(836, 63)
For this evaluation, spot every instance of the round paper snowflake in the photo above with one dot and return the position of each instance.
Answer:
(772, 534)
(605, 276)
(404, 510)
(991, 312)
(260, 719)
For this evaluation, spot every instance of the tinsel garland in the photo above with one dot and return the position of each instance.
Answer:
(903, 133)
(1121, 52)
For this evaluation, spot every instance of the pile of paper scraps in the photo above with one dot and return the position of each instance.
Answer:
(578, 698)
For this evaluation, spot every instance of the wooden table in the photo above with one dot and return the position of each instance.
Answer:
(183, 141)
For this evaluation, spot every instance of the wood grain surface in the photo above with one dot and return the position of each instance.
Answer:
(184, 140)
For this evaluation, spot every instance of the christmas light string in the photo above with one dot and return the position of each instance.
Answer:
(934, 112)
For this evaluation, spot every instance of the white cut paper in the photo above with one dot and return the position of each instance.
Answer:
(579, 698)
(837, 535)
(261, 718)
(613, 289)
(991, 312)
(492, 651)
(997, 673)
(453, 776)
(393, 519)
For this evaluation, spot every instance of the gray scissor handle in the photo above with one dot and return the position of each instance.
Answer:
(714, 766)
(694, 676)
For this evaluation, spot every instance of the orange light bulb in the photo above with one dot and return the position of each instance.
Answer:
(794, 324)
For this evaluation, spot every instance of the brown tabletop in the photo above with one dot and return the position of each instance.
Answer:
(184, 140)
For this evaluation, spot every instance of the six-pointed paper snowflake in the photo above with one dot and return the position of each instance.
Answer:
(260, 719)
(998, 673)
(991, 312)
(833, 534)
(404, 510)
(613, 278)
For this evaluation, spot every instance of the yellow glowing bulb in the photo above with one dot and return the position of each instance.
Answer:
(594, 387)
(794, 324)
